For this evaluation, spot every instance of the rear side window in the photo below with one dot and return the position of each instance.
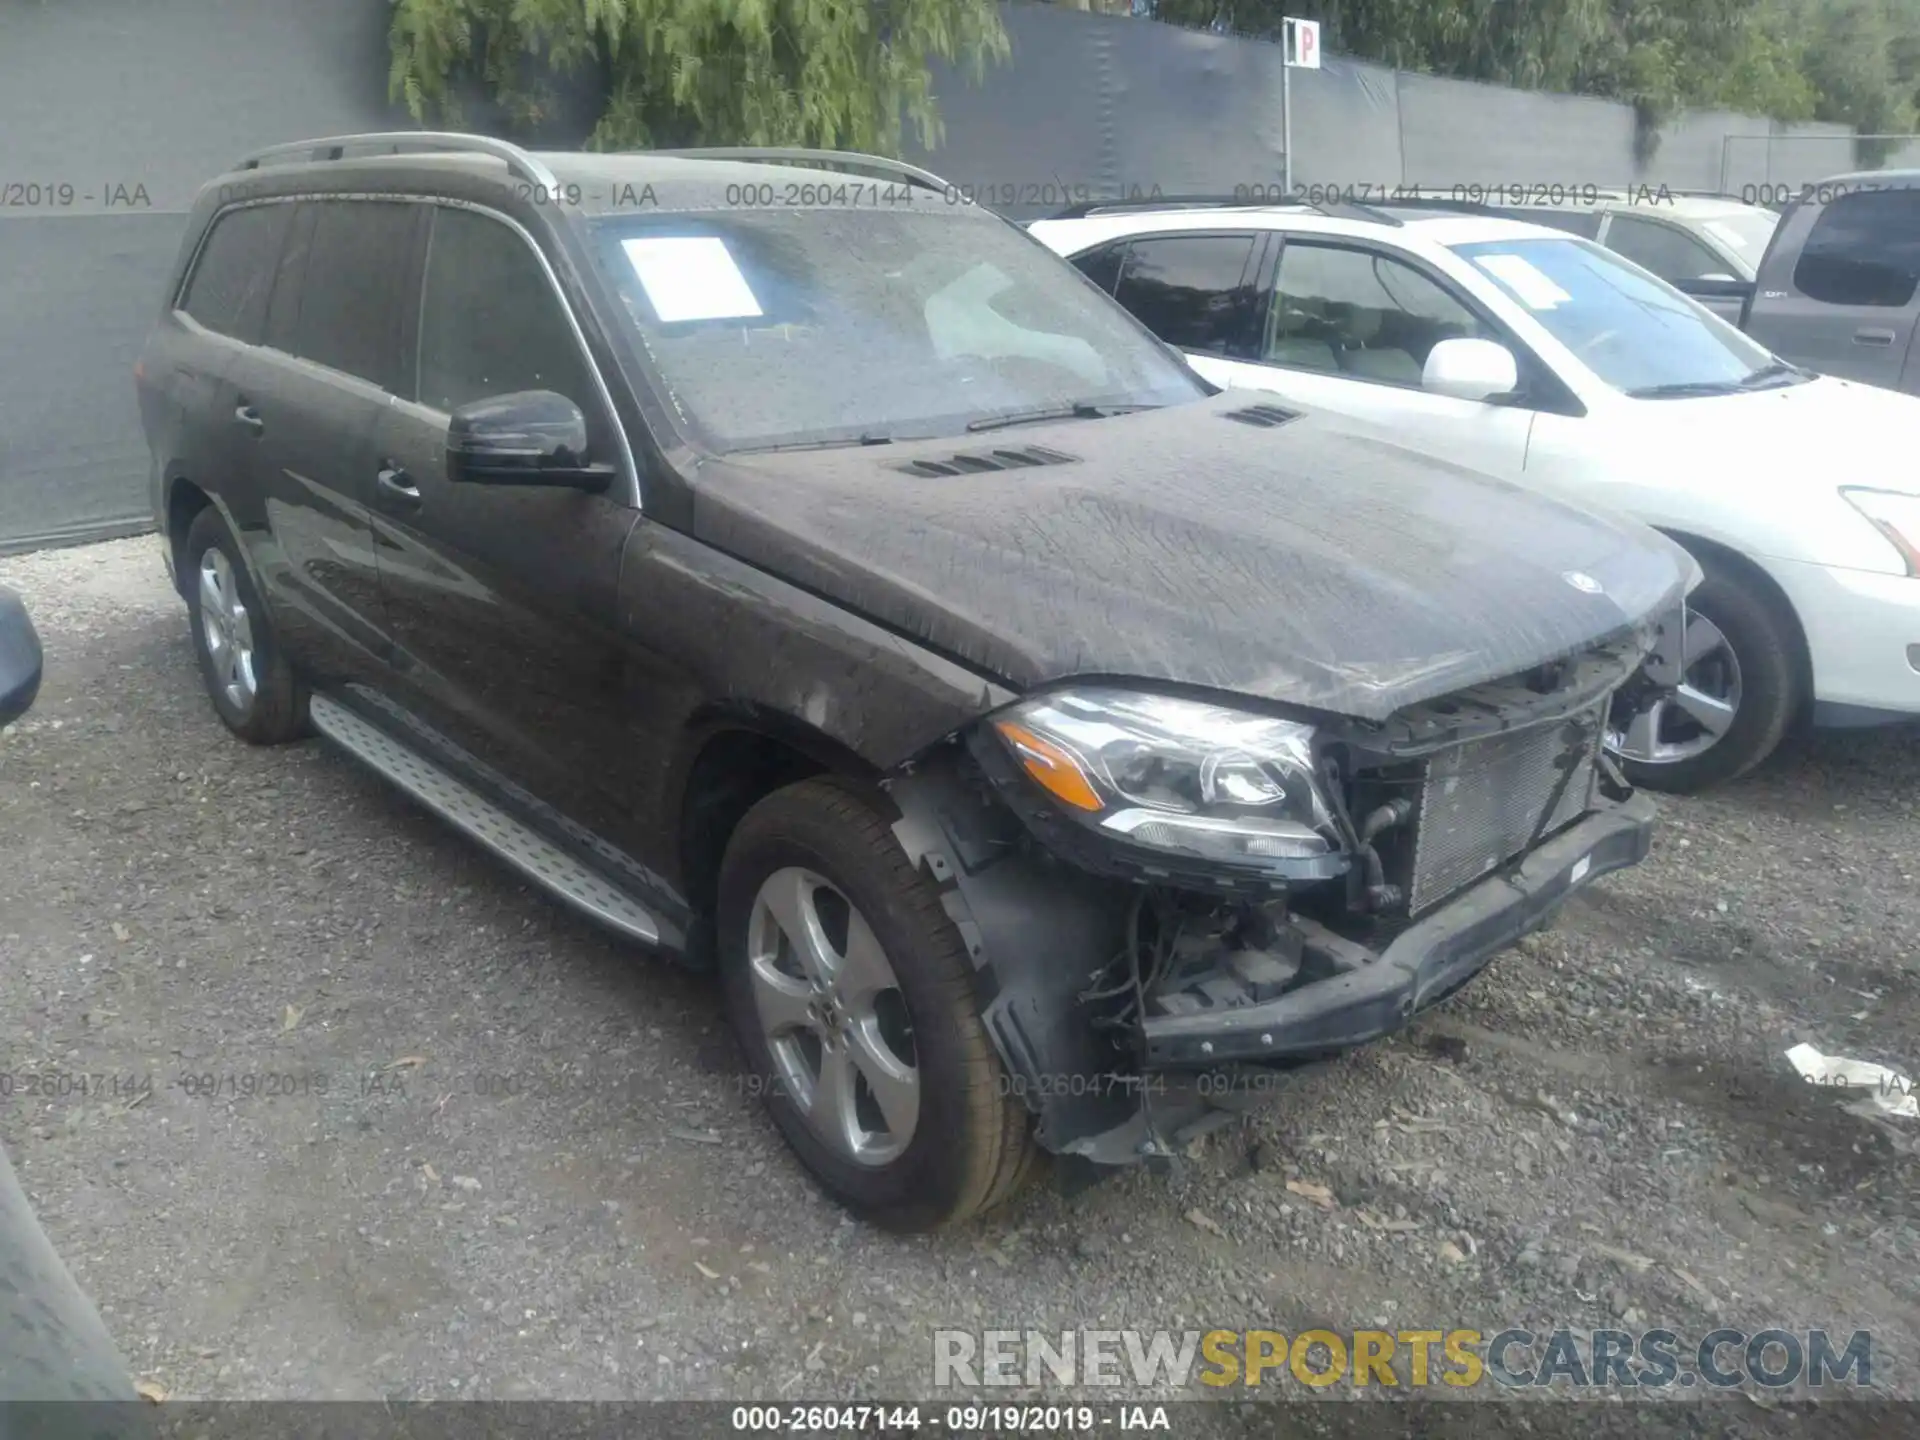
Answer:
(354, 294)
(233, 277)
(1361, 314)
(1864, 249)
(1662, 249)
(283, 310)
(1101, 266)
(490, 322)
(1194, 291)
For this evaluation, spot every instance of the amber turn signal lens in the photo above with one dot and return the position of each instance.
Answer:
(1057, 771)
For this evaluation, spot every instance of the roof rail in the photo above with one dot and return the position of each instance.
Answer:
(1419, 202)
(1358, 210)
(1169, 202)
(401, 142)
(853, 160)
(1335, 209)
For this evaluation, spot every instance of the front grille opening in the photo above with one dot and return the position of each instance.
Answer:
(1476, 806)
(1372, 789)
(1549, 678)
(975, 462)
(1481, 803)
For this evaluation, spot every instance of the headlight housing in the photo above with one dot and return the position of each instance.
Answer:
(1184, 779)
(1895, 515)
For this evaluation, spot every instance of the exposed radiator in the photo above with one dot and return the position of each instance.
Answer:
(1480, 803)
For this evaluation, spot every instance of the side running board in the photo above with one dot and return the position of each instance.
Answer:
(479, 819)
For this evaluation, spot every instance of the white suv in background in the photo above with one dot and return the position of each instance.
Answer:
(1541, 356)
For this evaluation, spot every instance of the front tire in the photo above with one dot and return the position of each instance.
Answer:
(247, 677)
(853, 999)
(1717, 702)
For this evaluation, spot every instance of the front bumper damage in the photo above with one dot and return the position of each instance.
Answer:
(1041, 932)
(1375, 993)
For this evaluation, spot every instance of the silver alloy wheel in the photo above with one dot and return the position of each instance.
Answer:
(1690, 702)
(835, 1021)
(228, 630)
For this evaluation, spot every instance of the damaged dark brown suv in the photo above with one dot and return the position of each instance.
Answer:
(807, 574)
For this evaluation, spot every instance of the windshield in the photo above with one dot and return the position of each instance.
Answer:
(1746, 233)
(823, 325)
(1636, 333)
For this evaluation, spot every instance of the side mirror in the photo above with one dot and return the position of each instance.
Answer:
(531, 437)
(20, 660)
(1470, 370)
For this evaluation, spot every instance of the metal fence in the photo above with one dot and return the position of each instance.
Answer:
(1116, 106)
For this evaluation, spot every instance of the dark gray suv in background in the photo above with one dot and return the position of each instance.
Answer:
(807, 574)
(1839, 288)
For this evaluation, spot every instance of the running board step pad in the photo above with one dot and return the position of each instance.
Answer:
(474, 816)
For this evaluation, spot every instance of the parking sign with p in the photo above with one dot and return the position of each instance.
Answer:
(1303, 43)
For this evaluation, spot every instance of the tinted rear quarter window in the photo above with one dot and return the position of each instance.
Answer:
(353, 298)
(1864, 249)
(233, 277)
(1192, 291)
(1102, 266)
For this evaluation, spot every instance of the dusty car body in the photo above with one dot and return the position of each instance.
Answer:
(1126, 731)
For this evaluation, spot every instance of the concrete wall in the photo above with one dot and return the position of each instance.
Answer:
(133, 103)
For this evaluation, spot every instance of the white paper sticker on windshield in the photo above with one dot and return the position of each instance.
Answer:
(1535, 290)
(690, 277)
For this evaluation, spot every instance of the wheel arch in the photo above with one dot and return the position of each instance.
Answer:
(186, 499)
(732, 758)
(1752, 573)
(184, 502)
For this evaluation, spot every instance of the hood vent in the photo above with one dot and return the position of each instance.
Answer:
(974, 462)
(1265, 416)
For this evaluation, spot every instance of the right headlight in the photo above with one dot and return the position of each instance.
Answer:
(1895, 515)
(1177, 776)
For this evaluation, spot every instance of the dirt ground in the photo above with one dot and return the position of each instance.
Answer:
(414, 1131)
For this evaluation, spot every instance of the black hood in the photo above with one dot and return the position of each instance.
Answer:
(1312, 563)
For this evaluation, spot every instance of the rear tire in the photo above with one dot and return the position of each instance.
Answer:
(969, 1146)
(252, 687)
(1772, 689)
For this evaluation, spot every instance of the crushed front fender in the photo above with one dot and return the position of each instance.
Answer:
(1041, 934)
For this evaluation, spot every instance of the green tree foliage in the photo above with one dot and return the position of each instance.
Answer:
(1852, 61)
(1862, 61)
(684, 72)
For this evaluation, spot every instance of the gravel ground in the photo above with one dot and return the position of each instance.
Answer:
(459, 1143)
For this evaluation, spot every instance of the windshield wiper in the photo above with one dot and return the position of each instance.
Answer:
(1765, 377)
(1681, 389)
(834, 443)
(1079, 410)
